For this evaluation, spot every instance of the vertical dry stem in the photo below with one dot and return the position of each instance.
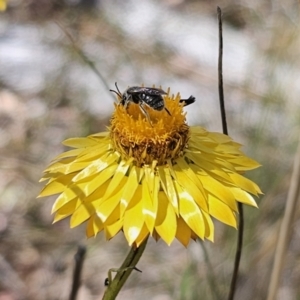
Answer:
(286, 227)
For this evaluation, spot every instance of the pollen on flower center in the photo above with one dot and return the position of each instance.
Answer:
(134, 137)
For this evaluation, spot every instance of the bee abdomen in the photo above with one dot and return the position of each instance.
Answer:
(154, 101)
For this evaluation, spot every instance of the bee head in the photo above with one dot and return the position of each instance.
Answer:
(117, 92)
(125, 97)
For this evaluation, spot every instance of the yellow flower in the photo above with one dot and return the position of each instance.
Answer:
(165, 179)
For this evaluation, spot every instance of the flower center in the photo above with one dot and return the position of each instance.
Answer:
(157, 138)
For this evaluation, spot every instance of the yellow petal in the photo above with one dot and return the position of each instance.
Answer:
(140, 174)
(89, 185)
(66, 210)
(79, 142)
(63, 199)
(243, 196)
(245, 183)
(165, 223)
(89, 166)
(190, 188)
(70, 153)
(103, 134)
(190, 212)
(97, 166)
(81, 214)
(219, 137)
(212, 169)
(90, 227)
(71, 192)
(94, 225)
(56, 186)
(183, 233)
(149, 208)
(244, 163)
(184, 166)
(153, 184)
(98, 225)
(197, 130)
(113, 224)
(129, 190)
(220, 191)
(209, 226)
(60, 166)
(75, 191)
(46, 177)
(97, 195)
(73, 164)
(59, 216)
(113, 229)
(107, 206)
(221, 211)
(198, 145)
(142, 236)
(118, 177)
(168, 187)
(149, 176)
(113, 217)
(67, 168)
(133, 217)
(92, 153)
(197, 159)
(229, 150)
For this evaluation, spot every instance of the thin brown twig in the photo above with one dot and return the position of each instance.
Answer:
(239, 247)
(79, 258)
(84, 57)
(286, 227)
(220, 74)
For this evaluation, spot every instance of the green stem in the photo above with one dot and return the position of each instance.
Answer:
(125, 270)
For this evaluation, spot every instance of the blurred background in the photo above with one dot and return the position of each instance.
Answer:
(49, 91)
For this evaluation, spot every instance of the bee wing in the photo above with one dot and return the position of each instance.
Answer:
(155, 91)
(146, 90)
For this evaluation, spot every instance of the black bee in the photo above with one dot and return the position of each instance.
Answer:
(152, 97)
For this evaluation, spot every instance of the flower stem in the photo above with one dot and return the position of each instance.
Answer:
(239, 247)
(125, 270)
(238, 252)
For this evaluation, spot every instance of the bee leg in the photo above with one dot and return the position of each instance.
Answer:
(125, 104)
(145, 113)
(168, 111)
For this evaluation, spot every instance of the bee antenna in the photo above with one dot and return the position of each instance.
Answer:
(118, 93)
(117, 88)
